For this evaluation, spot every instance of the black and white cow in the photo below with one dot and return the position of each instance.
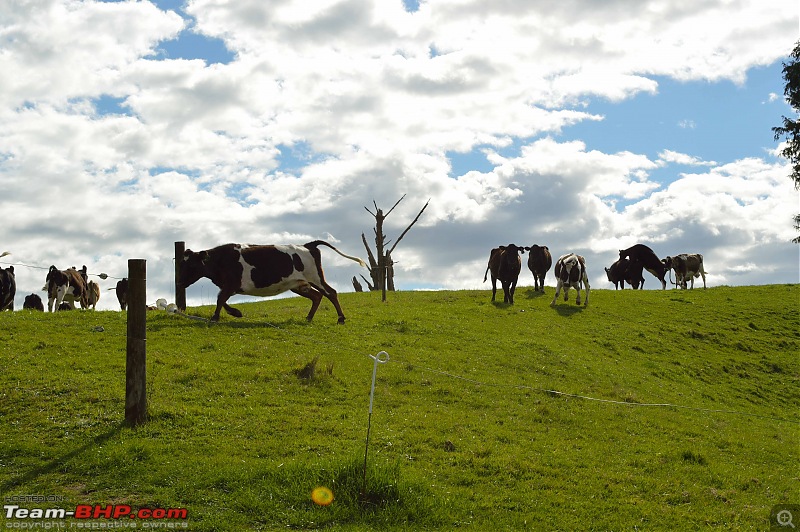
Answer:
(686, 266)
(65, 286)
(570, 271)
(647, 258)
(8, 288)
(262, 271)
(621, 272)
(539, 263)
(33, 302)
(505, 265)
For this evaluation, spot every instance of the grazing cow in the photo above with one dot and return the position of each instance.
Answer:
(262, 271)
(8, 288)
(65, 286)
(570, 271)
(505, 264)
(92, 295)
(33, 302)
(686, 266)
(648, 259)
(539, 262)
(122, 293)
(622, 271)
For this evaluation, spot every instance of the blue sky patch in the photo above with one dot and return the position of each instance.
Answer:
(191, 45)
(110, 105)
(293, 158)
(694, 118)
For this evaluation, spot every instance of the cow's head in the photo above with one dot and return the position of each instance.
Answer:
(513, 248)
(193, 267)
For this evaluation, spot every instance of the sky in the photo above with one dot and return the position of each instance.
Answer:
(580, 125)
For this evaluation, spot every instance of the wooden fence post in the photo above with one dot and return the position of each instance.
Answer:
(136, 358)
(180, 291)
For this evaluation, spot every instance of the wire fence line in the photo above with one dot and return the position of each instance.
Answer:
(557, 393)
(100, 275)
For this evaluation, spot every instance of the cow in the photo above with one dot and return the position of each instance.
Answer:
(92, 295)
(33, 302)
(686, 266)
(539, 262)
(622, 271)
(505, 265)
(648, 259)
(8, 288)
(570, 271)
(122, 293)
(65, 286)
(262, 271)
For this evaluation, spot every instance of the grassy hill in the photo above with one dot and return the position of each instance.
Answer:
(467, 431)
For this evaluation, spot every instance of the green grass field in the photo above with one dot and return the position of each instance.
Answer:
(466, 432)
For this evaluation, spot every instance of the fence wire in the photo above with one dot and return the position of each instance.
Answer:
(556, 393)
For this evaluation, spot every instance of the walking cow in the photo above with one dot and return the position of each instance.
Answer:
(570, 271)
(262, 271)
(505, 265)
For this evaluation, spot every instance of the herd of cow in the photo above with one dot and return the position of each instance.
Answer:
(63, 287)
(570, 270)
(271, 270)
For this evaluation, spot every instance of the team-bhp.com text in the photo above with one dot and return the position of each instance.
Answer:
(86, 516)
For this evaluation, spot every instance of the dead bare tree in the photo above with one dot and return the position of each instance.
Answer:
(381, 265)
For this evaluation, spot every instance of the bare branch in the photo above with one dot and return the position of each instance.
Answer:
(395, 205)
(369, 211)
(409, 227)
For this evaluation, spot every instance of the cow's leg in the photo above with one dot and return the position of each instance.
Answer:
(586, 288)
(558, 289)
(494, 287)
(222, 299)
(704, 278)
(308, 291)
(578, 289)
(511, 291)
(60, 293)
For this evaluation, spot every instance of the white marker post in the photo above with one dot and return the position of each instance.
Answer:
(380, 358)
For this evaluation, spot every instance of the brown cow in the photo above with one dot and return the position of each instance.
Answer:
(539, 263)
(505, 265)
(648, 259)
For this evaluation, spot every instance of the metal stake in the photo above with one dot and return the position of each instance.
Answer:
(380, 358)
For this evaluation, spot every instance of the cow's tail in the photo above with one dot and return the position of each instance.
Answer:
(323, 243)
(485, 275)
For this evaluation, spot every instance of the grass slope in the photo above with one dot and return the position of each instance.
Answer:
(464, 433)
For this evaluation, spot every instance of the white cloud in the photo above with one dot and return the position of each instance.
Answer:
(666, 157)
(378, 96)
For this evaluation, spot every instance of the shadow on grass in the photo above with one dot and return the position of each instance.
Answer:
(534, 294)
(58, 463)
(568, 309)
